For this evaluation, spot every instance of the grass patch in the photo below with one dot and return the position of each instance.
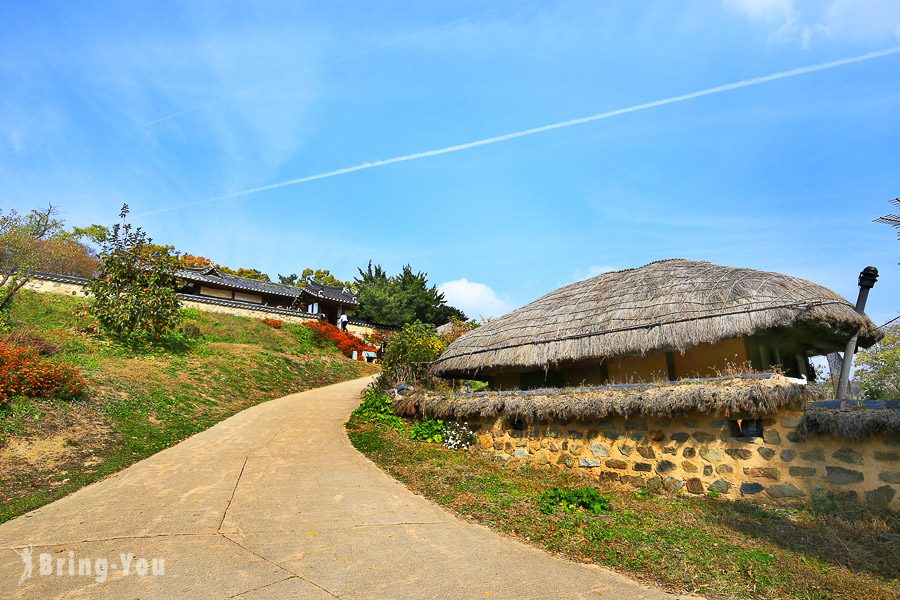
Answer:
(702, 545)
(142, 401)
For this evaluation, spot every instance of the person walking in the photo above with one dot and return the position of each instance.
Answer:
(343, 320)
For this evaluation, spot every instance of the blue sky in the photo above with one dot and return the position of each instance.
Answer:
(169, 105)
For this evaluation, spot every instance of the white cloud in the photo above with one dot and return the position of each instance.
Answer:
(477, 300)
(795, 21)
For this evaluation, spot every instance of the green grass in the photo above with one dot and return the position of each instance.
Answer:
(702, 545)
(142, 401)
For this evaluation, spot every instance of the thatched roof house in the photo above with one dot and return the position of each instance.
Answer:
(666, 320)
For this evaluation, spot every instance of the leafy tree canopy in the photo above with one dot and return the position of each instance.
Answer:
(38, 241)
(134, 294)
(321, 275)
(878, 368)
(401, 299)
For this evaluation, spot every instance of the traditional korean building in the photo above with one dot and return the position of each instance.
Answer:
(211, 284)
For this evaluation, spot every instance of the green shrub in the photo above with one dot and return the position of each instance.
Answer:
(409, 354)
(430, 430)
(134, 294)
(572, 499)
(378, 408)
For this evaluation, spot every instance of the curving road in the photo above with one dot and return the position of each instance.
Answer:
(275, 503)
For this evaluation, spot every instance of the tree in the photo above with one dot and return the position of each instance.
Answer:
(38, 241)
(400, 299)
(134, 293)
(189, 261)
(320, 275)
(878, 368)
(242, 272)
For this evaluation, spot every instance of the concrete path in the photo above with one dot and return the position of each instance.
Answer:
(275, 503)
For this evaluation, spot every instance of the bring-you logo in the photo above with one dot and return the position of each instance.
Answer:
(48, 564)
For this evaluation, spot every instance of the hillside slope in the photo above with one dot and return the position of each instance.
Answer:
(138, 403)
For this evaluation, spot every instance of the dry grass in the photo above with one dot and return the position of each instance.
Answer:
(666, 305)
(851, 423)
(751, 396)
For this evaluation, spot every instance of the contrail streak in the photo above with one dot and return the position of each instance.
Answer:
(388, 44)
(544, 128)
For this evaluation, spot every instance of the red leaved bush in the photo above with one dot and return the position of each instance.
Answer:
(273, 323)
(23, 372)
(346, 342)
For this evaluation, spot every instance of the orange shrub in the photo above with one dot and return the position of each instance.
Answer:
(273, 323)
(346, 342)
(23, 372)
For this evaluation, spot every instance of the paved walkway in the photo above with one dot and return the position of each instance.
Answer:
(275, 503)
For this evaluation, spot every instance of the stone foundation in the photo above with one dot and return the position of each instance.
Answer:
(697, 454)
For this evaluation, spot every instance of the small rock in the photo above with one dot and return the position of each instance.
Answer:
(848, 455)
(599, 450)
(694, 485)
(502, 457)
(703, 437)
(766, 453)
(842, 476)
(673, 484)
(720, 485)
(654, 483)
(771, 436)
(566, 460)
(802, 471)
(646, 467)
(633, 480)
(785, 490)
(887, 456)
(748, 488)
(689, 467)
(615, 463)
(542, 457)
(689, 452)
(880, 496)
(665, 466)
(707, 470)
(520, 453)
(765, 472)
(575, 435)
(788, 455)
(670, 450)
(626, 450)
(724, 469)
(680, 437)
(646, 452)
(738, 453)
(657, 435)
(588, 463)
(711, 454)
(890, 476)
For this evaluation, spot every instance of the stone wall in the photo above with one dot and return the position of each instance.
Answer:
(250, 312)
(56, 287)
(695, 453)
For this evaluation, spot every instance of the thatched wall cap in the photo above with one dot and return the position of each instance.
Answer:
(666, 305)
(756, 396)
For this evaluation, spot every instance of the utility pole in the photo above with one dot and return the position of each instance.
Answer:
(867, 279)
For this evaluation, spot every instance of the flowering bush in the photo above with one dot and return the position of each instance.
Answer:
(23, 372)
(324, 332)
(458, 436)
(273, 323)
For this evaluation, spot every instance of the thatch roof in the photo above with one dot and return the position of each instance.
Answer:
(666, 305)
(753, 396)
(852, 423)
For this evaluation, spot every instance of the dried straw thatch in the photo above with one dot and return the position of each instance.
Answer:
(851, 423)
(749, 396)
(666, 305)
